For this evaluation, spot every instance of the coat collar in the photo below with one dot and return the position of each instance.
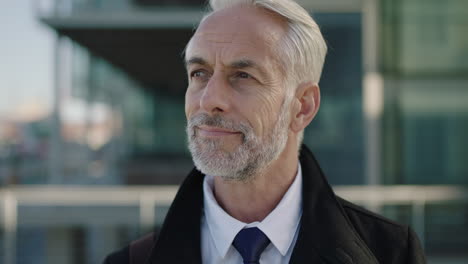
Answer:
(179, 237)
(326, 232)
(325, 236)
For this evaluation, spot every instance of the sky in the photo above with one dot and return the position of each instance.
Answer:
(26, 57)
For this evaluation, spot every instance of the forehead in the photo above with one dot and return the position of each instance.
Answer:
(237, 31)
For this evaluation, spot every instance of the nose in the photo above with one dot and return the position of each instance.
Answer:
(215, 97)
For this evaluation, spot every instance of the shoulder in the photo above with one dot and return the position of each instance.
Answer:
(371, 223)
(390, 242)
(137, 252)
(121, 256)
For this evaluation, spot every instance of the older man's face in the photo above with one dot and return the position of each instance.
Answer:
(235, 105)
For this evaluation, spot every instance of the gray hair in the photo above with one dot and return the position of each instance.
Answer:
(303, 48)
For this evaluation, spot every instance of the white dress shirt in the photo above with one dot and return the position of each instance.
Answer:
(218, 228)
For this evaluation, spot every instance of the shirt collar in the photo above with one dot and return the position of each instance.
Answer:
(279, 226)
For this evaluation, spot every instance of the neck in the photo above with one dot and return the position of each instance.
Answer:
(253, 200)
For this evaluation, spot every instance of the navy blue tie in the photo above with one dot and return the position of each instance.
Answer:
(250, 243)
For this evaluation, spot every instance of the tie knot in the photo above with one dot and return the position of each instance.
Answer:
(250, 243)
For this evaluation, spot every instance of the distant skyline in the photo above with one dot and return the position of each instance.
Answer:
(26, 57)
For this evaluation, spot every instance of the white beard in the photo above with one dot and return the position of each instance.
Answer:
(250, 158)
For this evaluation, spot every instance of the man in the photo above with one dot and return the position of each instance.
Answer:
(255, 195)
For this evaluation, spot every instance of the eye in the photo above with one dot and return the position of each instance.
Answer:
(243, 75)
(197, 74)
(200, 75)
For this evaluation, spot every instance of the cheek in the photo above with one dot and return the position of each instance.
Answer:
(190, 103)
(265, 112)
(270, 106)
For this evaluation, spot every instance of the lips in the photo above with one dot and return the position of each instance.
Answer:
(208, 131)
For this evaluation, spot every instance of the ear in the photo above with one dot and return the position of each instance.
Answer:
(305, 105)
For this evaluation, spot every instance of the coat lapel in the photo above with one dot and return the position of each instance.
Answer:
(179, 239)
(326, 235)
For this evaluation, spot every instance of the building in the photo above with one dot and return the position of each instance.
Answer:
(394, 111)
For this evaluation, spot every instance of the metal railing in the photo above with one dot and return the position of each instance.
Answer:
(146, 199)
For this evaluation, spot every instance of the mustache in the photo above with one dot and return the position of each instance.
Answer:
(219, 122)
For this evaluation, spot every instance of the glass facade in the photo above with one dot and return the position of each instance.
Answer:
(425, 38)
(144, 124)
(424, 61)
(336, 134)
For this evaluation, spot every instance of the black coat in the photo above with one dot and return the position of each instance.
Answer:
(332, 230)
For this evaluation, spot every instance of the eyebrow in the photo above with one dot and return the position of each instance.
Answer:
(238, 64)
(241, 64)
(195, 60)
(246, 63)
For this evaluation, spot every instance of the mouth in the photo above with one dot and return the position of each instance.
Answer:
(209, 131)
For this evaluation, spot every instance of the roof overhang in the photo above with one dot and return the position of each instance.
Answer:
(146, 45)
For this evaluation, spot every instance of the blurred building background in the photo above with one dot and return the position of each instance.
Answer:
(92, 107)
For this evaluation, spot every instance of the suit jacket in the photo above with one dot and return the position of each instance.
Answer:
(332, 230)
